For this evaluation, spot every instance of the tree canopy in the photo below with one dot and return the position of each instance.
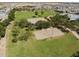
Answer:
(42, 24)
(61, 20)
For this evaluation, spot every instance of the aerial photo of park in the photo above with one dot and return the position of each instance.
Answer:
(39, 29)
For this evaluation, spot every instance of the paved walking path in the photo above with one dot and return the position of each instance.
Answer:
(3, 47)
(74, 33)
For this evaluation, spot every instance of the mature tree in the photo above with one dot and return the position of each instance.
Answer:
(3, 24)
(6, 22)
(11, 15)
(75, 22)
(2, 30)
(61, 20)
(42, 24)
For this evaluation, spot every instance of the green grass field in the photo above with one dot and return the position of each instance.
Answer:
(30, 14)
(61, 46)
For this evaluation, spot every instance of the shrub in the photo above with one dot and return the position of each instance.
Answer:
(11, 15)
(24, 23)
(21, 23)
(36, 13)
(23, 35)
(6, 22)
(15, 31)
(61, 20)
(34, 16)
(14, 40)
(2, 30)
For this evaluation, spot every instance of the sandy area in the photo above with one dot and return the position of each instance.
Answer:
(46, 33)
(34, 20)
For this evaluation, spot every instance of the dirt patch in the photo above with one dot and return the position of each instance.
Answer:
(34, 20)
(46, 33)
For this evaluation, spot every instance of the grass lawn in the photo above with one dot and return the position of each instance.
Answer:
(61, 46)
(30, 14)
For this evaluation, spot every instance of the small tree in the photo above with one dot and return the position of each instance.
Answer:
(33, 10)
(15, 32)
(42, 12)
(14, 40)
(24, 23)
(6, 22)
(36, 13)
(23, 35)
(0, 37)
(21, 23)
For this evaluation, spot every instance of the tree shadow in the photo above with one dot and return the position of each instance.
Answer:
(75, 54)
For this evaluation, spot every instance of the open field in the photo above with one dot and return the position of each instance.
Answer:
(30, 14)
(61, 46)
(65, 45)
(39, 29)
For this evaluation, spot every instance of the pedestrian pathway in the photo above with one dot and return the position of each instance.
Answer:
(3, 47)
(74, 33)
